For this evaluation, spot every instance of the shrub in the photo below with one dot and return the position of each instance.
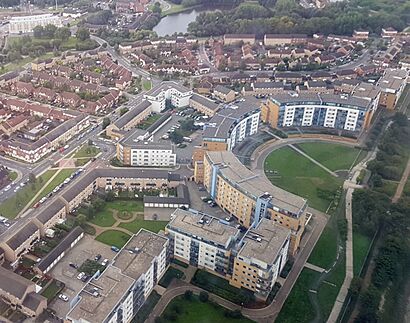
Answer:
(188, 295)
(203, 297)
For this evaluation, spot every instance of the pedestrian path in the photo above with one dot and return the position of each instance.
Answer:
(314, 267)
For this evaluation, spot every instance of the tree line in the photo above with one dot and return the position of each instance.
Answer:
(373, 212)
(286, 16)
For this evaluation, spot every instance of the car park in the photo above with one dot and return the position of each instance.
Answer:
(80, 275)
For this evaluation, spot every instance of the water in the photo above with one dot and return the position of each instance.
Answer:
(177, 23)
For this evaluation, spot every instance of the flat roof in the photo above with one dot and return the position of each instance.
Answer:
(320, 99)
(111, 287)
(264, 242)
(210, 228)
(181, 198)
(222, 122)
(257, 185)
(137, 255)
(366, 90)
(164, 86)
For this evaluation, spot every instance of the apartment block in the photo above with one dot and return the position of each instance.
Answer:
(262, 255)
(176, 94)
(201, 240)
(120, 291)
(26, 24)
(250, 197)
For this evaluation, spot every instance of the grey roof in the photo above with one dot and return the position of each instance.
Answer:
(181, 198)
(272, 238)
(50, 210)
(268, 85)
(33, 301)
(132, 113)
(22, 235)
(63, 246)
(14, 284)
(210, 228)
(204, 101)
(225, 119)
(254, 185)
(91, 176)
(222, 89)
(164, 86)
(316, 98)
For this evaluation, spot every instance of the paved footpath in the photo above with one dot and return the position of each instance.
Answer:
(402, 183)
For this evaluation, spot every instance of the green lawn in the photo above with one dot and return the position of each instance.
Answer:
(170, 274)
(12, 176)
(333, 156)
(137, 224)
(406, 190)
(113, 238)
(324, 253)
(146, 84)
(147, 308)
(104, 218)
(16, 65)
(13, 205)
(61, 176)
(128, 206)
(329, 289)
(361, 245)
(196, 311)
(149, 121)
(299, 175)
(297, 307)
(389, 188)
(52, 290)
(87, 151)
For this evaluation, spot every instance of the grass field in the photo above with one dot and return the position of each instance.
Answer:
(13, 205)
(299, 175)
(15, 66)
(196, 311)
(128, 206)
(12, 176)
(297, 307)
(52, 290)
(328, 290)
(61, 176)
(406, 190)
(149, 121)
(146, 84)
(113, 238)
(87, 151)
(104, 218)
(329, 154)
(137, 224)
(361, 245)
(324, 253)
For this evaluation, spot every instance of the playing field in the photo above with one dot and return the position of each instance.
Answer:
(297, 174)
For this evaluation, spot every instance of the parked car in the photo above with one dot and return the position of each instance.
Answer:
(80, 275)
(105, 262)
(115, 249)
(63, 297)
(73, 265)
(97, 257)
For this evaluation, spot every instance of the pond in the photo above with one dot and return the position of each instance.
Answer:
(177, 23)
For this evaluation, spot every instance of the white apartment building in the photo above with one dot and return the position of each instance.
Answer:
(26, 24)
(120, 291)
(201, 240)
(146, 153)
(172, 92)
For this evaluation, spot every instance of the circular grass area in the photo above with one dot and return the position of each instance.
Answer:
(124, 215)
(113, 238)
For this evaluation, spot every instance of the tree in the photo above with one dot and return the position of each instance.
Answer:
(109, 196)
(49, 31)
(203, 296)
(106, 122)
(63, 33)
(123, 111)
(38, 31)
(81, 219)
(188, 294)
(157, 8)
(32, 178)
(82, 34)
(176, 137)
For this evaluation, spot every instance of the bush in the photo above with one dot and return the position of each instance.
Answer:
(188, 295)
(203, 297)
